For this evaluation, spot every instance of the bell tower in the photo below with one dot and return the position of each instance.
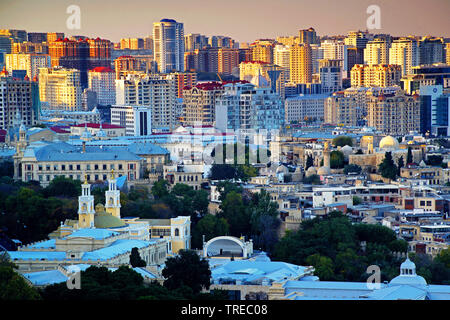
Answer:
(112, 197)
(86, 209)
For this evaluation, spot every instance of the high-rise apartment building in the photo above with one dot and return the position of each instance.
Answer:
(394, 114)
(168, 41)
(341, 109)
(405, 53)
(152, 91)
(301, 63)
(330, 75)
(377, 52)
(336, 50)
(132, 43)
(19, 102)
(379, 75)
(199, 103)
(102, 81)
(262, 50)
(243, 106)
(16, 35)
(281, 57)
(431, 50)
(60, 88)
(447, 53)
(358, 39)
(426, 75)
(308, 36)
(53, 36)
(194, 41)
(124, 65)
(30, 47)
(81, 55)
(227, 60)
(37, 37)
(28, 62)
(301, 108)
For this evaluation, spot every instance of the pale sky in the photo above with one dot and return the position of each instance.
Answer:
(243, 20)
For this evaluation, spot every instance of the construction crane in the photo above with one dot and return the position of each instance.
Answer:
(219, 77)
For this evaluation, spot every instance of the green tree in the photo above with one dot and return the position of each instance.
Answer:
(342, 141)
(323, 266)
(12, 285)
(356, 200)
(64, 187)
(400, 164)
(135, 259)
(236, 213)
(409, 156)
(160, 189)
(337, 159)
(6, 168)
(187, 269)
(209, 226)
(312, 179)
(387, 167)
(309, 161)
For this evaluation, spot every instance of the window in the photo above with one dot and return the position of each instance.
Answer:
(177, 232)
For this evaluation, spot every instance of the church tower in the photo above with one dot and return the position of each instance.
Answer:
(112, 197)
(86, 209)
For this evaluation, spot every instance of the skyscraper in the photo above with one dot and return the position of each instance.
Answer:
(301, 63)
(404, 52)
(308, 36)
(376, 52)
(431, 50)
(168, 41)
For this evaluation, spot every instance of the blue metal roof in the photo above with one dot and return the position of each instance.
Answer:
(97, 234)
(49, 244)
(118, 247)
(37, 255)
(44, 278)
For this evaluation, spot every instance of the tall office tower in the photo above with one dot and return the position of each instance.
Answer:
(301, 63)
(431, 50)
(53, 36)
(330, 75)
(6, 43)
(244, 106)
(376, 52)
(394, 114)
(341, 110)
(102, 81)
(151, 91)
(281, 57)
(262, 51)
(199, 103)
(19, 102)
(168, 40)
(228, 60)
(288, 41)
(203, 60)
(308, 36)
(404, 52)
(316, 56)
(263, 75)
(37, 37)
(28, 62)
(194, 41)
(124, 65)
(378, 75)
(336, 50)
(434, 110)
(60, 88)
(447, 53)
(358, 39)
(426, 75)
(30, 47)
(16, 35)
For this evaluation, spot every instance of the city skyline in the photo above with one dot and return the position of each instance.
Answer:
(250, 21)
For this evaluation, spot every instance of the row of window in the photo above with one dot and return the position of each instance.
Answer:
(71, 167)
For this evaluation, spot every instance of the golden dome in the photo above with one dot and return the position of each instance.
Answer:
(389, 142)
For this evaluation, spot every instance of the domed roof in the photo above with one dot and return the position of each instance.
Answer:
(323, 171)
(282, 169)
(388, 142)
(311, 171)
(347, 150)
(408, 275)
(104, 220)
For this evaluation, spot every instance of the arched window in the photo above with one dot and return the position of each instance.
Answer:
(177, 232)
